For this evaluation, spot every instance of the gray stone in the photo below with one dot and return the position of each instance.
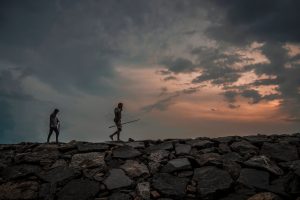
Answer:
(211, 179)
(158, 155)
(88, 160)
(143, 190)
(280, 151)
(19, 171)
(254, 178)
(136, 144)
(169, 185)
(82, 189)
(232, 168)
(59, 174)
(117, 179)
(232, 156)
(257, 139)
(134, 168)
(265, 196)
(177, 165)
(182, 149)
(154, 167)
(224, 148)
(244, 147)
(226, 139)
(19, 190)
(264, 162)
(201, 144)
(209, 158)
(120, 196)
(89, 147)
(59, 163)
(161, 146)
(125, 152)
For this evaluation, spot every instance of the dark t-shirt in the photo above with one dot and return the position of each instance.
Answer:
(53, 121)
(118, 115)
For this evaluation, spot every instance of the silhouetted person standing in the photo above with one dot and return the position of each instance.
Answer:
(54, 125)
(117, 120)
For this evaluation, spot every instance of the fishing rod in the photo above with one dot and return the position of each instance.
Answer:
(125, 123)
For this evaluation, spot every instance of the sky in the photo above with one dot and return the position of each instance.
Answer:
(185, 68)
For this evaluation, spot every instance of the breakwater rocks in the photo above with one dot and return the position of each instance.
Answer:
(227, 168)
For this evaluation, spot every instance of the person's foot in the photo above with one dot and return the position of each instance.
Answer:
(111, 137)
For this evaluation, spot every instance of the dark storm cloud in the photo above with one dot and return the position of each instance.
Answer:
(178, 65)
(230, 96)
(241, 22)
(162, 104)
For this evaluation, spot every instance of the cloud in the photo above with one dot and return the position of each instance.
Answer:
(162, 104)
(178, 65)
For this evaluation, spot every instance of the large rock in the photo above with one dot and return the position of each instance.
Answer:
(264, 162)
(254, 178)
(232, 156)
(211, 180)
(143, 190)
(119, 196)
(19, 190)
(244, 147)
(19, 171)
(201, 144)
(89, 147)
(170, 186)
(257, 139)
(82, 189)
(88, 160)
(158, 155)
(136, 144)
(117, 179)
(134, 168)
(125, 152)
(181, 149)
(280, 151)
(265, 196)
(177, 165)
(161, 146)
(59, 174)
(209, 158)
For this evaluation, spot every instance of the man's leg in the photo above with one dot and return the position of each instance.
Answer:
(49, 135)
(57, 133)
(118, 133)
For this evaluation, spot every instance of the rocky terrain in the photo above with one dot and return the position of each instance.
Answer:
(227, 168)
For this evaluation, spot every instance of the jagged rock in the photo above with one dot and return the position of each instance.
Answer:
(224, 148)
(232, 168)
(47, 191)
(264, 162)
(19, 190)
(185, 173)
(201, 144)
(257, 139)
(181, 149)
(120, 196)
(117, 179)
(292, 165)
(169, 185)
(254, 178)
(88, 160)
(176, 165)
(232, 156)
(19, 171)
(59, 163)
(143, 190)
(161, 146)
(226, 139)
(125, 152)
(158, 155)
(134, 168)
(265, 196)
(209, 158)
(37, 157)
(154, 167)
(244, 147)
(211, 179)
(280, 151)
(89, 147)
(82, 189)
(59, 174)
(136, 144)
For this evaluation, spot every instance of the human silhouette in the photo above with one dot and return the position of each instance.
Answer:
(54, 125)
(117, 120)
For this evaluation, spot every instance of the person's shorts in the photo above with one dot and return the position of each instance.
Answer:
(118, 125)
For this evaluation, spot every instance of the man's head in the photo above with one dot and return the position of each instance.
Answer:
(56, 110)
(120, 105)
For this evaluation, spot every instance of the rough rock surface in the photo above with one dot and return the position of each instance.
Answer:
(257, 167)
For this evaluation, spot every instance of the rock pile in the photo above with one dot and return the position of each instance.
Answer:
(255, 167)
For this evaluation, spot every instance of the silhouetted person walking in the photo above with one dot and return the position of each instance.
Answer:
(117, 120)
(54, 125)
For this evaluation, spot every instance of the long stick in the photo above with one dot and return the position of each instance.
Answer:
(125, 123)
